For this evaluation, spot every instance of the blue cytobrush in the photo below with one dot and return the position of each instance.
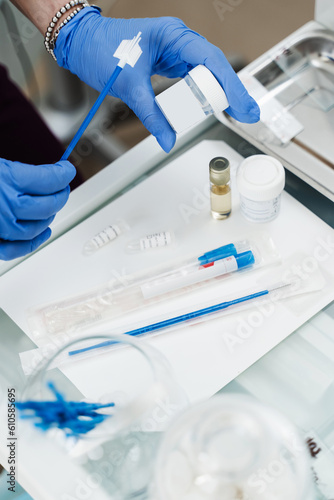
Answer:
(74, 417)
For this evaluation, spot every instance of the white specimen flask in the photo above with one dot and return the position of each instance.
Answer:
(190, 100)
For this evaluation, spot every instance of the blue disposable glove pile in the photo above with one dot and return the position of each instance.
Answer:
(30, 197)
(86, 45)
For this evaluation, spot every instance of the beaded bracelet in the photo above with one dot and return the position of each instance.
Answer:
(51, 35)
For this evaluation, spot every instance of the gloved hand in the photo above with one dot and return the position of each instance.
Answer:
(30, 196)
(86, 45)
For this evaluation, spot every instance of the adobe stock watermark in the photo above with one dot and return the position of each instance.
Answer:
(199, 202)
(225, 7)
(245, 328)
(278, 469)
(296, 274)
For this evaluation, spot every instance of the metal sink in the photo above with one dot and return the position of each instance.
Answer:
(308, 62)
(299, 74)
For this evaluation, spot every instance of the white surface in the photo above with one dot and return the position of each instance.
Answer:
(207, 356)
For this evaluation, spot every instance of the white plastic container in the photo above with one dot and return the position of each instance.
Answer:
(190, 100)
(260, 181)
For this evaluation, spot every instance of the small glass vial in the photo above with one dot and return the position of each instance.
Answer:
(104, 237)
(151, 241)
(220, 188)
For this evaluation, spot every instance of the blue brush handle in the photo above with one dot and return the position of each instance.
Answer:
(174, 321)
(91, 113)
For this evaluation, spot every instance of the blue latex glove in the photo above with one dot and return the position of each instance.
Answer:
(86, 45)
(30, 196)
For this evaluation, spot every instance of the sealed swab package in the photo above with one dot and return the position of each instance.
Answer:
(114, 299)
(278, 284)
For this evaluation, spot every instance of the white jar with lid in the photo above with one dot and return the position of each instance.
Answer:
(260, 182)
(190, 100)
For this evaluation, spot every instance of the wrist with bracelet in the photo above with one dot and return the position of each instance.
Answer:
(69, 10)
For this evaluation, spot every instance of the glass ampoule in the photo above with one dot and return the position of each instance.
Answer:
(151, 241)
(104, 237)
(220, 188)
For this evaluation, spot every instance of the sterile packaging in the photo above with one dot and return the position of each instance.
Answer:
(140, 290)
(266, 290)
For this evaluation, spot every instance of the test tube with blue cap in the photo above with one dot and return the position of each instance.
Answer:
(240, 254)
(134, 291)
(206, 270)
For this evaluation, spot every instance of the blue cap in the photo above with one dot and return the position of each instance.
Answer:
(245, 259)
(218, 253)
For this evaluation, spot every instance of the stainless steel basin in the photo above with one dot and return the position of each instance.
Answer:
(308, 62)
(299, 74)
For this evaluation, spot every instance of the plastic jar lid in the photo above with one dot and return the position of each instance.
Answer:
(210, 87)
(260, 178)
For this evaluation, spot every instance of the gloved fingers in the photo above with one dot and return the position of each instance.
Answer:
(142, 102)
(172, 36)
(41, 179)
(242, 117)
(169, 65)
(241, 105)
(197, 50)
(28, 230)
(13, 249)
(40, 207)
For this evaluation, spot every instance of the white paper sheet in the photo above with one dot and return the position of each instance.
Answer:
(206, 356)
